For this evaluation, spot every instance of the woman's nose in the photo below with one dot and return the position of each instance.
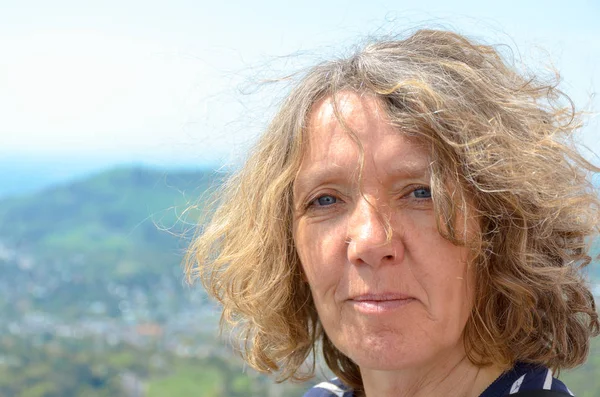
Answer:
(371, 238)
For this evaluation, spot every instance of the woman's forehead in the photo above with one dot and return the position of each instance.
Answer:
(345, 107)
(352, 132)
(358, 118)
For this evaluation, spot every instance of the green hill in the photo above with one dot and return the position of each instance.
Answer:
(63, 248)
(119, 223)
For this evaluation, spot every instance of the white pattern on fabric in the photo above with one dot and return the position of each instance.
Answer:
(517, 385)
(548, 380)
(332, 388)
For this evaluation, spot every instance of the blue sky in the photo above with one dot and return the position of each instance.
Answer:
(160, 82)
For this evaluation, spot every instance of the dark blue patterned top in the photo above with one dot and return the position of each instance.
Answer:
(522, 377)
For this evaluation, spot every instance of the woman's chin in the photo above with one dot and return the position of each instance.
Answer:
(384, 353)
(389, 351)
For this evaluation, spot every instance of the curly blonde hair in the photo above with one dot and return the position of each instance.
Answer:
(500, 137)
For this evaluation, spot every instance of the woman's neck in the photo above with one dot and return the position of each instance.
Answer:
(458, 377)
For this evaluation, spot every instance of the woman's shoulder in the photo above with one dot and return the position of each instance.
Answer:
(524, 377)
(331, 388)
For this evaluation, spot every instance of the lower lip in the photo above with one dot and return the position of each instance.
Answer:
(376, 307)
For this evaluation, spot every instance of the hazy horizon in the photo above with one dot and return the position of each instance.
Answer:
(24, 175)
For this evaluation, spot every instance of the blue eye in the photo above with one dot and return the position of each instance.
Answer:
(422, 193)
(325, 200)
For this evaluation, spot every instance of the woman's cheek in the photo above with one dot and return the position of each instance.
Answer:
(321, 251)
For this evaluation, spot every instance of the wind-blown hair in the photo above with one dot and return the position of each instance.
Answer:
(502, 148)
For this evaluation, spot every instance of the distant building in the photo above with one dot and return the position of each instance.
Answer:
(151, 330)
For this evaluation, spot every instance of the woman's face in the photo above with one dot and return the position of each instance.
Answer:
(385, 303)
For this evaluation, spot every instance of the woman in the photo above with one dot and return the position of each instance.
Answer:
(415, 211)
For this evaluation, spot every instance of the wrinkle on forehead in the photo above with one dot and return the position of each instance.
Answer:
(341, 117)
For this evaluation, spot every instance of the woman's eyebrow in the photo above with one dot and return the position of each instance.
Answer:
(416, 169)
(319, 173)
(326, 172)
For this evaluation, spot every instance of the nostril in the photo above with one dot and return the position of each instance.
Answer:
(388, 257)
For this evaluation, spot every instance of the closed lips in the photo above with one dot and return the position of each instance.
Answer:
(380, 297)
